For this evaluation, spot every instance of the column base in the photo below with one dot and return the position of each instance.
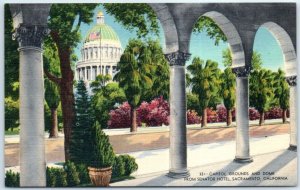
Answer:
(243, 160)
(178, 174)
(293, 148)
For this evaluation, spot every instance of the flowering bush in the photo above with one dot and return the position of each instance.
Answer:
(192, 117)
(274, 113)
(120, 117)
(222, 113)
(211, 115)
(155, 113)
(253, 114)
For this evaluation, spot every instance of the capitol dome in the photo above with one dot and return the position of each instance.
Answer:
(100, 53)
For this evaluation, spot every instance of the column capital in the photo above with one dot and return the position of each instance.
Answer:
(30, 35)
(292, 80)
(177, 58)
(241, 71)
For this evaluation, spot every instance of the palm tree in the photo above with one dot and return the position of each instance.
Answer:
(204, 82)
(261, 91)
(134, 75)
(52, 98)
(100, 82)
(281, 92)
(227, 92)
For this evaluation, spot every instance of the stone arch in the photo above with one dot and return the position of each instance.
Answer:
(287, 47)
(232, 35)
(170, 31)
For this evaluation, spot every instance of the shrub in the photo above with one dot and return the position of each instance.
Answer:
(192, 117)
(155, 113)
(118, 168)
(274, 113)
(222, 113)
(12, 179)
(56, 177)
(72, 174)
(102, 154)
(120, 117)
(253, 114)
(130, 164)
(83, 173)
(211, 116)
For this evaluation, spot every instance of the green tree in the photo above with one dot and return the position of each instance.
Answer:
(227, 90)
(159, 73)
(53, 99)
(193, 102)
(281, 92)
(261, 91)
(134, 74)
(52, 94)
(65, 21)
(205, 83)
(105, 98)
(256, 61)
(80, 137)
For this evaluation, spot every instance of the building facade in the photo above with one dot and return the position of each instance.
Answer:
(100, 53)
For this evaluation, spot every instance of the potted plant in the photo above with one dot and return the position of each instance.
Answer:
(101, 158)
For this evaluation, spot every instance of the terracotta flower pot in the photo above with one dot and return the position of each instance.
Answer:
(100, 176)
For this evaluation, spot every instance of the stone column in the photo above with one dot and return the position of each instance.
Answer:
(242, 115)
(111, 71)
(97, 69)
(91, 72)
(292, 80)
(178, 143)
(32, 146)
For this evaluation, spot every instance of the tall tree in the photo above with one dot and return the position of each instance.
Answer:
(106, 96)
(80, 146)
(281, 92)
(261, 91)
(65, 21)
(134, 74)
(205, 83)
(52, 99)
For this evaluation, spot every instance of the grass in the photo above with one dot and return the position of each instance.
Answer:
(15, 131)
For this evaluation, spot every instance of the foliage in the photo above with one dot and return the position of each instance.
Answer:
(130, 164)
(118, 168)
(192, 117)
(253, 114)
(204, 81)
(138, 17)
(155, 113)
(211, 115)
(274, 113)
(72, 174)
(56, 177)
(12, 179)
(193, 102)
(81, 134)
(281, 90)
(120, 117)
(11, 113)
(227, 89)
(212, 29)
(83, 173)
(256, 61)
(11, 61)
(222, 113)
(261, 90)
(101, 154)
(105, 99)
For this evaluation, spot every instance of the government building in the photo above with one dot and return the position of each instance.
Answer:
(100, 53)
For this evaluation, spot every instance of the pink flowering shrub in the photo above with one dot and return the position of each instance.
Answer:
(274, 113)
(222, 113)
(155, 113)
(211, 115)
(192, 117)
(253, 114)
(120, 117)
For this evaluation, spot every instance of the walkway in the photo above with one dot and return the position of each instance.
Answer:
(145, 141)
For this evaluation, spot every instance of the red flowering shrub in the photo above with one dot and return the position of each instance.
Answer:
(222, 113)
(120, 117)
(274, 113)
(253, 114)
(211, 116)
(155, 113)
(192, 117)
